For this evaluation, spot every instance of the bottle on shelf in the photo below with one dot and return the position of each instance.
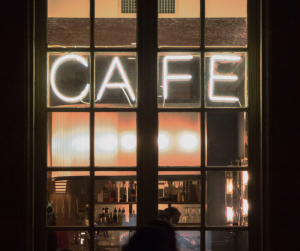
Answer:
(120, 216)
(123, 192)
(167, 192)
(132, 219)
(115, 216)
(123, 217)
(105, 194)
(132, 192)
(179, 192)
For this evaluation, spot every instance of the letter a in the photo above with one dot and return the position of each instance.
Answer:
(106, 84)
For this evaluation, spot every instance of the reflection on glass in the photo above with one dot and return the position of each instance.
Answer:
(68, 79)
(179, 139)
(187, 240)
(178, 23)
(226, 240)
(227, 199)
(111, 239)
(226, 23)
(115, 198)
(68, 139)
(68, 198)
(226, 80)
(115, 23)
(116, 80)
(115, 139)
(68, 23)
(178, 80)
(227, 139)
(179, 196)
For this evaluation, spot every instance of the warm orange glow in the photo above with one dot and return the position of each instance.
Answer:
(179, 139)
(229, 214)
(115, 139)
(245, 207)
(245, 178)
(229, 186)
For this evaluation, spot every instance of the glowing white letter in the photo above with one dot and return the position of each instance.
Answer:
(55, 66)
(167, 77)
(214, 77)
(115, 63)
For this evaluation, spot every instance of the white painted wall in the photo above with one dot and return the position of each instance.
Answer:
(112, 9)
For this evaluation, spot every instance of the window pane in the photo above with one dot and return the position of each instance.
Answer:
(178, 23)
(115, 198)
(68, 80)
(226, 23)
(115, 23)
(227, 139)
(226, 240)
(68, 139)
(116, 80)
(179, 139)
(187, 240)
(68, 23)
(179, 197)
(226, 80)
(68, 198)
(115, 139)
(178, 80)
(227, 199)
(112, 240)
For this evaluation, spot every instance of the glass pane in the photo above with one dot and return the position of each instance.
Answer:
(227, 139)
(226, 241)
(115, 198)
(68, 139)
(115, 139)
(68, 198)
(179, 197)
(178, 23)
(179, 139)
(68, 23)
(112, 240)
(226, 79)
(67, 240)
(187, 240)
(178, 80)
(226, 23)
(68, 80)
(116, 79)
(115, 23)
(227, 199)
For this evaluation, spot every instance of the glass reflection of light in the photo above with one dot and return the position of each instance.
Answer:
(107, 142)
(128, 141)
(229, 214)
(188, 141)
(163, 141)
(245, 178)
(245, 207)
(80, 143)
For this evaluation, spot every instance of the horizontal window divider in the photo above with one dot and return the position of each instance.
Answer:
(115, 49)
(179, 168)
(228, 109)
(90, 109)
(179, 177)
(114, 203)
(234, 109)
(179, 49)
(69, 49)
(70, 169)
(225, 49)
(227, 168)
(73, 228)
(122, 228)
(115, 169)
(179, 203)
(233, 228)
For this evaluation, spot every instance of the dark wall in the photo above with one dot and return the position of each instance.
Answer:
(283, 197)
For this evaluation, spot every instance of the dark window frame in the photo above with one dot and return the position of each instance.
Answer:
(148, 122)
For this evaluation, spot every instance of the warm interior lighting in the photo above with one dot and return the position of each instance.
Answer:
(60, 186)
(55, 66)
(163, 141)
(188, 141)
(228, 77)
(229, 214)
(107, 142)
(245, 178)
(245, 207)
(174, 77)
(116, 63)
(128, 141)
(229, 186)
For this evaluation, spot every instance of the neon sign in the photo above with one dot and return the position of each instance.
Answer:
(213, 77)
(55, 66)
(167, 78)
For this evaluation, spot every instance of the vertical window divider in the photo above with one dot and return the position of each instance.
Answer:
(202, 124)
(92, 123)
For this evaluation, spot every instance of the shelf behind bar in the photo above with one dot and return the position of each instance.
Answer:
(114, 203)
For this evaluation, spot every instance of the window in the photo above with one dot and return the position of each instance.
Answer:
(146, 117)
